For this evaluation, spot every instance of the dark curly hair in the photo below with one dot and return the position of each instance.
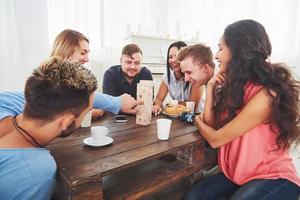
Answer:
(250, 49)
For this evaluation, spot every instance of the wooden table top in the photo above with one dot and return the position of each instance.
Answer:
(77, 163)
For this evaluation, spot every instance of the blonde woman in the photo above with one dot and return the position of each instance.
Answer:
(74, 46)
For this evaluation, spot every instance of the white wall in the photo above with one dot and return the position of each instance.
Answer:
(25, 28)
(23, 40)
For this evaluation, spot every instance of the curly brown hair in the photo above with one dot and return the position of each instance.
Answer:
(250, 48)
(58, 86)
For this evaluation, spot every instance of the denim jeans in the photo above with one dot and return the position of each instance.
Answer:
(219, 187)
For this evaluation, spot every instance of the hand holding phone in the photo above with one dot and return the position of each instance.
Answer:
(121, 119)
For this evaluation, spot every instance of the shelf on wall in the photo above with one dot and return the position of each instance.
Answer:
(154, 48)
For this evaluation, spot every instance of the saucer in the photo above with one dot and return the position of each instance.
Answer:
(103, 142)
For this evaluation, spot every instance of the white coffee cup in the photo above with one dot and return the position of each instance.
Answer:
(163, 128)
(98, 132)
(87, 120)
(190, 105)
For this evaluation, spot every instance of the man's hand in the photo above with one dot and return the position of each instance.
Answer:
(129, 104)
(97, 113)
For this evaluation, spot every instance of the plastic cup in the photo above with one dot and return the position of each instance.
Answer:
(190, 105)
(163, 128)
(87, 120)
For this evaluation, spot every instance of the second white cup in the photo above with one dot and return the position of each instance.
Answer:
(87, 120)
(163, 128)
(190, 105)
(98, 132)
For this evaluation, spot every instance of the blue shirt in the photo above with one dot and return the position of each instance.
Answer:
(115, 83)
(107, 102)
(26, 173)
(12, 103)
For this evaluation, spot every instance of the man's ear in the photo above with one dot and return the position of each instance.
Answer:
(206, 68)
(209, 71)
(67, 119)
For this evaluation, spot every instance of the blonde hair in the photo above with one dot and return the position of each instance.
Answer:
(199, 52)
(58, 72)
(66, 42)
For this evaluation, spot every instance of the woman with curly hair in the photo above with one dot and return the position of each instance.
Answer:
(252, 115)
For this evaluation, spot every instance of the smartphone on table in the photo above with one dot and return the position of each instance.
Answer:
(121, 119)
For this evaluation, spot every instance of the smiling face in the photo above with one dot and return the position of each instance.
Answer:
(131, 65)
(195, 73)
(172, 58)
(223, 55)
(81, 53)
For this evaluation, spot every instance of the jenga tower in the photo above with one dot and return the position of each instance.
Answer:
(145, 93)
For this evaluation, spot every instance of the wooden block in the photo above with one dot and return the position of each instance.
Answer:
(145, 93)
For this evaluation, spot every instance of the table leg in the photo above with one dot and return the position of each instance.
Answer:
(91, 190)
(197, 154)
(193, 154)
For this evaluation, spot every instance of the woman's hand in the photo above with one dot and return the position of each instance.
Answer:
(216, 80)
(156, 110)
(199, 119)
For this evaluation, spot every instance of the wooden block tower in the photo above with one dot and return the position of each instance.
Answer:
(145, 93)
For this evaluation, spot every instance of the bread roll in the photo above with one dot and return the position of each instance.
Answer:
(175, 110)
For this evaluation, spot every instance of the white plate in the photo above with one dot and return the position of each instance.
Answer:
(105, 141)
(170, 115)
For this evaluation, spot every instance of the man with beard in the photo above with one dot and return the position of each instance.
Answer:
(73, 46)
(57, 96)
(120, 79)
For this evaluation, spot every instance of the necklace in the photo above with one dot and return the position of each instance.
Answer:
(22, 132)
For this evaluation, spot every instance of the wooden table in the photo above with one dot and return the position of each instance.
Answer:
(83, 170)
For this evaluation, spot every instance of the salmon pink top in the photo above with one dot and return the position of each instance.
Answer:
(252, 156)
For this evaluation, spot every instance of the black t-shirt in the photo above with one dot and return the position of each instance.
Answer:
(115, 83)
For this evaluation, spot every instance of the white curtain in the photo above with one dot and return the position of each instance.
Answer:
(23, 40)
(109, 22)
(29, 27)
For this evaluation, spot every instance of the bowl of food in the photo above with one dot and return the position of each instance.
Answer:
(174, 110)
